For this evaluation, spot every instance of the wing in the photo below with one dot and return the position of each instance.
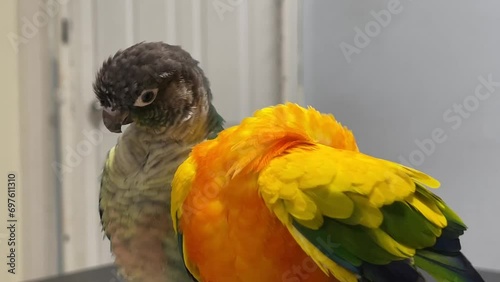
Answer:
(181, 185)
(347, 209)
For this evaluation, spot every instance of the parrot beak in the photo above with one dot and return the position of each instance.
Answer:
(114, 119)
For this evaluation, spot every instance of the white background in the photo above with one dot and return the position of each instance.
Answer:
(427, 59)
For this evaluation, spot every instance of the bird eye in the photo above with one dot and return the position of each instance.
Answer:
(147, 97)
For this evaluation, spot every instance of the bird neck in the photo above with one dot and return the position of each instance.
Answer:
(201, 126)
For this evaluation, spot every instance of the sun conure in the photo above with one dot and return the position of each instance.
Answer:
(287, 196)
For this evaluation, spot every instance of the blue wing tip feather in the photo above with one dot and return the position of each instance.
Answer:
(401, 271)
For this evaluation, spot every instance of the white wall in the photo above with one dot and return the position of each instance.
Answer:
(396, 90)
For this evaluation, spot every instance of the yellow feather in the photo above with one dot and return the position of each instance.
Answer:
(181, 185)
(421, 177)
(377, 197)
(364, 212)
(314, 172)
(331, 203)
(111, 157)
(389, 244)
(428, 209)
(301, 207)
(314, 223)
(289, 191)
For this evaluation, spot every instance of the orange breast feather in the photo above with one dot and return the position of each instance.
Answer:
(232, 236)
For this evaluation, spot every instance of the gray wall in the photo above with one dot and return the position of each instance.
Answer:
(406, 85)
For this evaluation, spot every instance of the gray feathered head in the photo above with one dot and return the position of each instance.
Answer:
(153, 84)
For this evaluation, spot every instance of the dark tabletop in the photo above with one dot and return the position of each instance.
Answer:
(108, 274)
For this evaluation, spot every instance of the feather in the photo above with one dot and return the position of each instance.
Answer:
(447, 267)
(400, 271)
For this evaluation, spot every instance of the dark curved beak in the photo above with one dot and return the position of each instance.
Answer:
(114, 119)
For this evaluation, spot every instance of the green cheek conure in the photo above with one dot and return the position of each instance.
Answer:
(162, 92)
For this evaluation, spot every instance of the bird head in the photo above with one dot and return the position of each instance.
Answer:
(153, 84)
